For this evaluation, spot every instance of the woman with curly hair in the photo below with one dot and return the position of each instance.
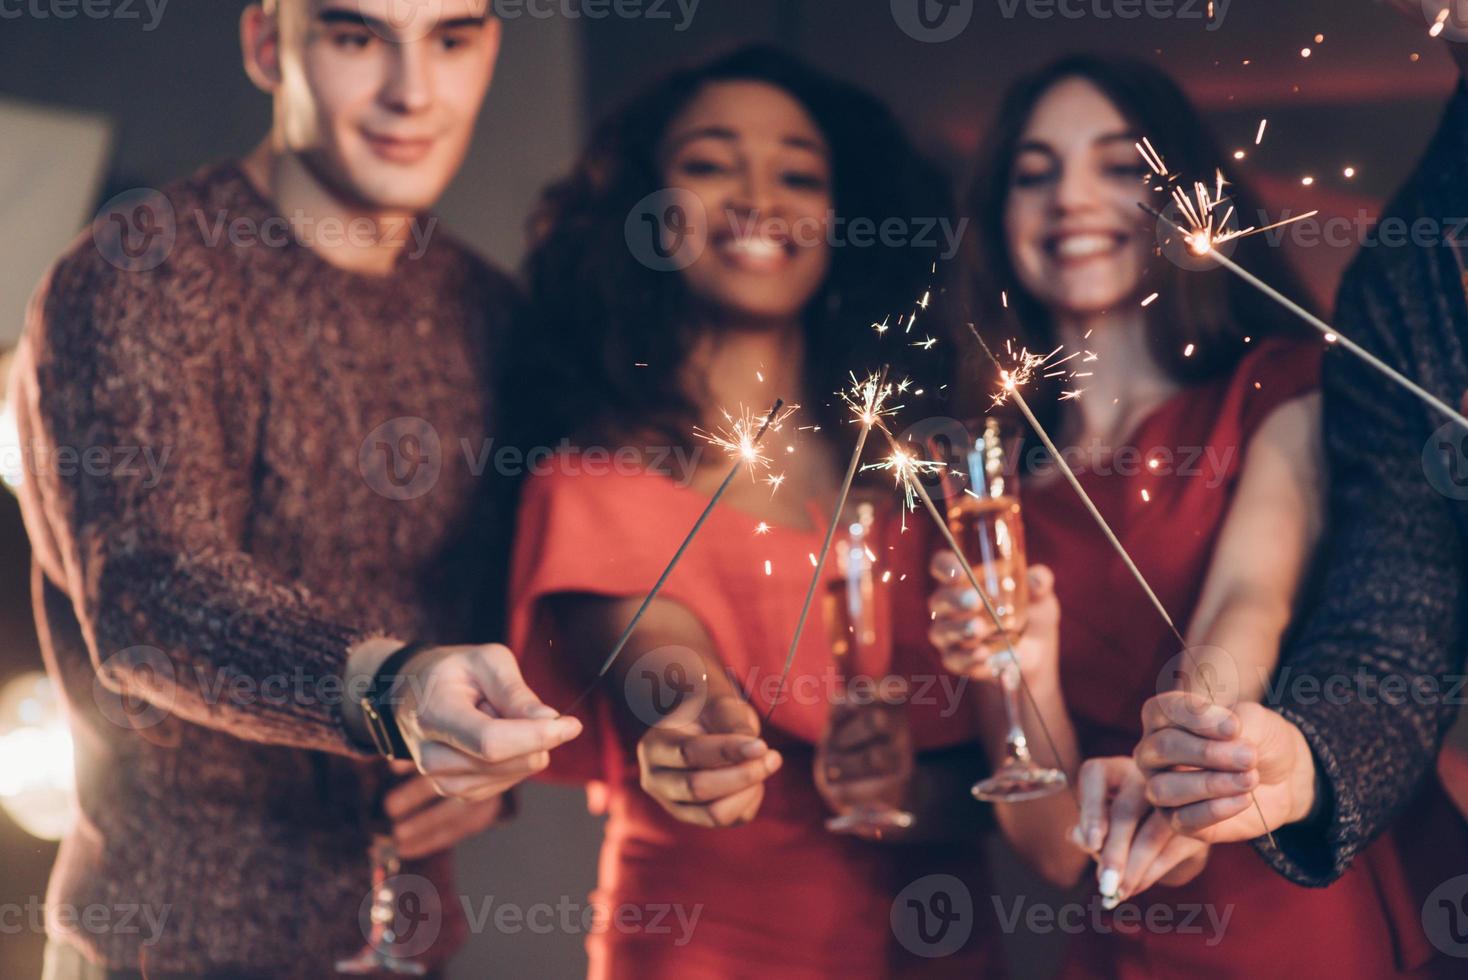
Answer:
(756, 278)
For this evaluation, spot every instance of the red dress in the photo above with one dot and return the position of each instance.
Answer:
(780, 897)
(1114, 645)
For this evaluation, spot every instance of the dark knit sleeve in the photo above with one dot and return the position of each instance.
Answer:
(1388, 619)
(139, 409)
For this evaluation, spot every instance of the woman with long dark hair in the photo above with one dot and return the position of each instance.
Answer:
(710, 252)
(1197, 436)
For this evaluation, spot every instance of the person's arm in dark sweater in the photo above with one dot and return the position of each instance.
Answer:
(1392, 592)
(155, 556)
(1362, 702)
(173, 609)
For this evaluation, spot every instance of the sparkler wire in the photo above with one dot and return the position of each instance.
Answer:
(1332, 335)
(815, 578)
(678, 555)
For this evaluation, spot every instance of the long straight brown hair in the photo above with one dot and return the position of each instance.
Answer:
(1209, 309)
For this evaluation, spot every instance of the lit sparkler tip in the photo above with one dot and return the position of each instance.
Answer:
(740, 436)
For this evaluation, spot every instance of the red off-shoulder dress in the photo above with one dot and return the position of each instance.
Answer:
(1239, 919)
(780, 898)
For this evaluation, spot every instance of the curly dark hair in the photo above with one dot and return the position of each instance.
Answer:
(597, 312)
(1209, 309)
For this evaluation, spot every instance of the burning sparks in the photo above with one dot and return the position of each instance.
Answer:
(1024, 366)
(906, 468)
(1208, 210)
(867, 398)
(739, 437)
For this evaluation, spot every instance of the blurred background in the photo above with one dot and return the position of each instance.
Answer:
(93, 106)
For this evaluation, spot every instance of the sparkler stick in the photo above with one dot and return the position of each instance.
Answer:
(872, 393)
(747, 452)
(908, 475)
(1332, 335)
(1019, 400)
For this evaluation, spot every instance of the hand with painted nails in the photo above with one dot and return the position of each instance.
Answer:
(1134, 845)
(711, 772)
(1201, 761)
(965, 635)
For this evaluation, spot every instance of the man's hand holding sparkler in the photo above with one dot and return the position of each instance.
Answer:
(465, 715)
(1201, 760)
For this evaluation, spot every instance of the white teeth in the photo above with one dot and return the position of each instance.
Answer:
(1084, 246)
(760, 248)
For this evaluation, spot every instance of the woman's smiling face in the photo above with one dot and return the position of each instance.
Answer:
(1076, 237)
(761, 170)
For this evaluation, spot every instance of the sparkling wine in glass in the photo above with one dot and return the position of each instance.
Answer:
(987, 524)
(850, 603)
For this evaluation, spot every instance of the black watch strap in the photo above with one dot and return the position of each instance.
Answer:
(380, 702)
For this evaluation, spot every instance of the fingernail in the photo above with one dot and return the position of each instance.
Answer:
(773, 761)
(542, 711)
(1228, 728)
(1076, 837)
(1094, 838)
(1244, 756)
(1109, 902)
(753, 750)
(969, 599)
(1109, 880)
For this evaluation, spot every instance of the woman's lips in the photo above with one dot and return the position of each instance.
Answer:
(396, 149)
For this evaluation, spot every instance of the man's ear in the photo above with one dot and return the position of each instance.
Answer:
(260, 47)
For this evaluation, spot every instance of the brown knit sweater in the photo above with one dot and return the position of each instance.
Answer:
(219, 582)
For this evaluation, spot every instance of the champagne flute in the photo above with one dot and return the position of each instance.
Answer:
(986, 522)
(379, 954)
(851, 623)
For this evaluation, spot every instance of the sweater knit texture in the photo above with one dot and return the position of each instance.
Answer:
(1389, 616)
(240, 463)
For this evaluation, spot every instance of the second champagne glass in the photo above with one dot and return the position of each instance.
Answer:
(986, 522)
(852, 632)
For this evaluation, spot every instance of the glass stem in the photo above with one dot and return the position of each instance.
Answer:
(1016, 746)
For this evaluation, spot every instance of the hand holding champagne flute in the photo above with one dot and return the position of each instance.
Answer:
(985, 520)
(864, 762)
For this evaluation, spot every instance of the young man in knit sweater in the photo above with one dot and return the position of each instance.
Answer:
(301, 352)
